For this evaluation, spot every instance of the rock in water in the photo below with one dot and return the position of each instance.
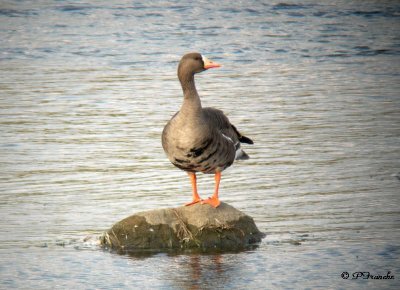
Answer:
(188, 227)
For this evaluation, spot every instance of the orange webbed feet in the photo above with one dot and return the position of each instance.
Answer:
(213, 201)
(194, 201)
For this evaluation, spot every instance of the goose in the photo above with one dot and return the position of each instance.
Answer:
(198, 139)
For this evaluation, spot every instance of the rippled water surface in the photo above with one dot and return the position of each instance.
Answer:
(86, 88)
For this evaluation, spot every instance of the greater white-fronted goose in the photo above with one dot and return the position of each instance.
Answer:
(199, 139)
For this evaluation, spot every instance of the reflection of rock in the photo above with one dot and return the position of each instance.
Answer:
(193, 227)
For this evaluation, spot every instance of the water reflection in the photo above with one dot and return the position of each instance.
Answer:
(194, 269)
(201, 272)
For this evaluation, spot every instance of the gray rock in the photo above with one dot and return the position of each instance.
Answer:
(198, 226)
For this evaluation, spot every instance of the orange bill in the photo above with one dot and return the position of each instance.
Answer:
(209, 63)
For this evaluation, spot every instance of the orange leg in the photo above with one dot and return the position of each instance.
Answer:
(196, 197)
(214, 200)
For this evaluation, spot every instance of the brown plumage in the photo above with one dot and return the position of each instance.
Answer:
(199, 139)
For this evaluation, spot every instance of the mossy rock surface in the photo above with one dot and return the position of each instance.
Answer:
(193, 227)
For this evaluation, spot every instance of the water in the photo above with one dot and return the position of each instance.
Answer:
(86, 88)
